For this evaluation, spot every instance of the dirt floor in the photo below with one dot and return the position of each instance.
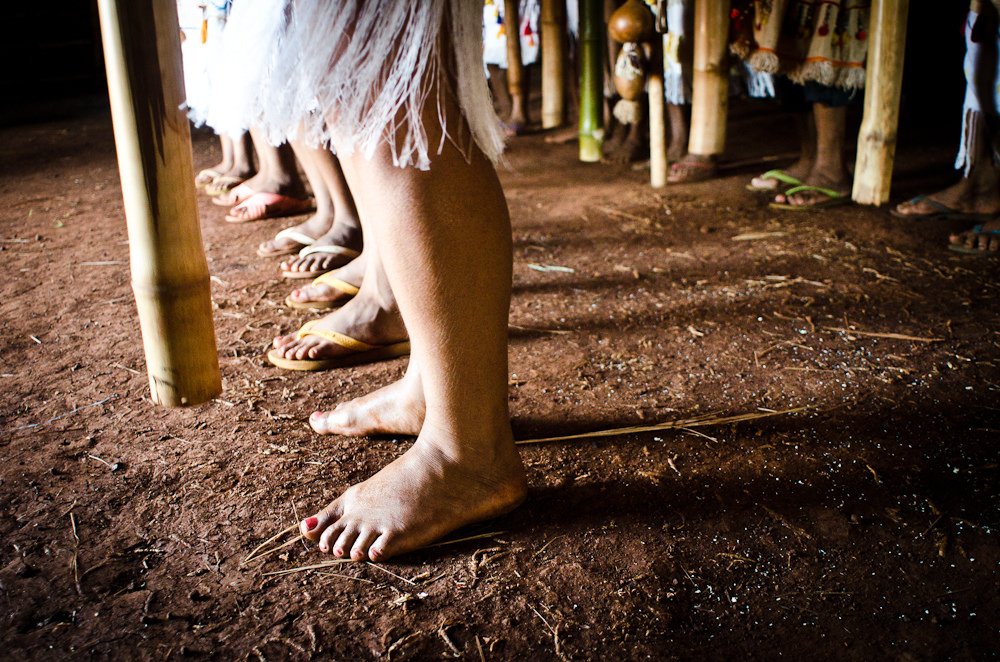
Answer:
(867, 525)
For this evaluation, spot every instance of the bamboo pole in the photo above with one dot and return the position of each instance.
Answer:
(591, 80)
(169, 271)
(515, 66)
(657, 116)
(710, 85)
(883, 84)
(553, 63)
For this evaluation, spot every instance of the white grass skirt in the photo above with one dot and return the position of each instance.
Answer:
(353, 73)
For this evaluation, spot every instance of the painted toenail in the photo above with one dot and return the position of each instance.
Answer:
(311, 523)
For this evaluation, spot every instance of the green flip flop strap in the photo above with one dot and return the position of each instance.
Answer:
(804, 188)
(781, 176)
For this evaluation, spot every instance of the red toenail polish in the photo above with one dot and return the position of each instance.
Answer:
(311, 523)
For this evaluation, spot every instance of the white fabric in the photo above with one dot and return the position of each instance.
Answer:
(495, 36)
(198, 57)
(973, 102)
(350, 72)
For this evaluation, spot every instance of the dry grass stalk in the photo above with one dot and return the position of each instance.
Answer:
(700, 421)
(890, 336)
(252, 555)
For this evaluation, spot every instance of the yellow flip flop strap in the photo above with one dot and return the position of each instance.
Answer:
(332, 281)
(346, 342)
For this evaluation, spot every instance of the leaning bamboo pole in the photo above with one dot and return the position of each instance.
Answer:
(515, 66)
(883, 84)
(169, 271)
(591, 80)
(553, 63)
(710, 85)
(657, 116)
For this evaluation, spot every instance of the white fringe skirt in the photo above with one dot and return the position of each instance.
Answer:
(356, 74)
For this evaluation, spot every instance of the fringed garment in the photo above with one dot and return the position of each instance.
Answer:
(202, 23)
(356, 75)
(825, 41)
(982, 83)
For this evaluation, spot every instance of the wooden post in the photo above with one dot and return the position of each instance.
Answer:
(710, 85)
(591, 80)
(515, 67)
(883, 83)
(553, 63)
(657, 116)
(169, 272)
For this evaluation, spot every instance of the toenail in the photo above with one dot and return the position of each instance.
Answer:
(338, 552)
(311, 523)
(317, 414)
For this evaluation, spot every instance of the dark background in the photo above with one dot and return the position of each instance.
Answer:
(55, 67)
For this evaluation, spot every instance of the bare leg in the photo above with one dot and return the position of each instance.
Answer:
(679, 128)
(829, 169)
(322, 219)
(352, 273)
(371, 317)
(976, 193)
(346, 228)
(447, 254)
(242, 157)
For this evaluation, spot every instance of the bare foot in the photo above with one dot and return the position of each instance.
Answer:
(346, 232)
(418, 498)
(283, 244)
(353, 273)
(362, 318)
(967, 196)
(628, 151)
(984, 238)
(398, 408)
(692, 168)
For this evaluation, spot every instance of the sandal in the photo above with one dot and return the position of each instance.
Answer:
(260, 206)
(984, 252)
(298, 239)
(939, 211)
(233, 196)
(330, 280)
(690, 172)
(833, 199)
(222, 184)
(312, 250)
(361, 352)
(206, 176)
(777, 176)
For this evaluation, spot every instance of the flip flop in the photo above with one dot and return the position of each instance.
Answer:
(301, 240)
(206, 176)
(233, 196)
(222, 184)
(834, 199)
(330, 280)
(965, 250)
(777, 175)
(690, 172)
(311, 250)
(941, 211)
(361, 352)
(268, 205)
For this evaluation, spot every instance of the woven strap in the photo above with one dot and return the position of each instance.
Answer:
(346, 342)
(330, 280)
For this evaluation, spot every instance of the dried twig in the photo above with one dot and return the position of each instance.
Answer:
(668, 425)
(890, 336)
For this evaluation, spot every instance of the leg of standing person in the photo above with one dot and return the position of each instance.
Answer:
(447, 255)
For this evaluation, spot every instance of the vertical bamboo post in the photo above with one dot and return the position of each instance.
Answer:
(169, 271)
(883, 84)
(591, 80)
(657, 116)
(710, 86)
(553, 63)
(515, 67)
